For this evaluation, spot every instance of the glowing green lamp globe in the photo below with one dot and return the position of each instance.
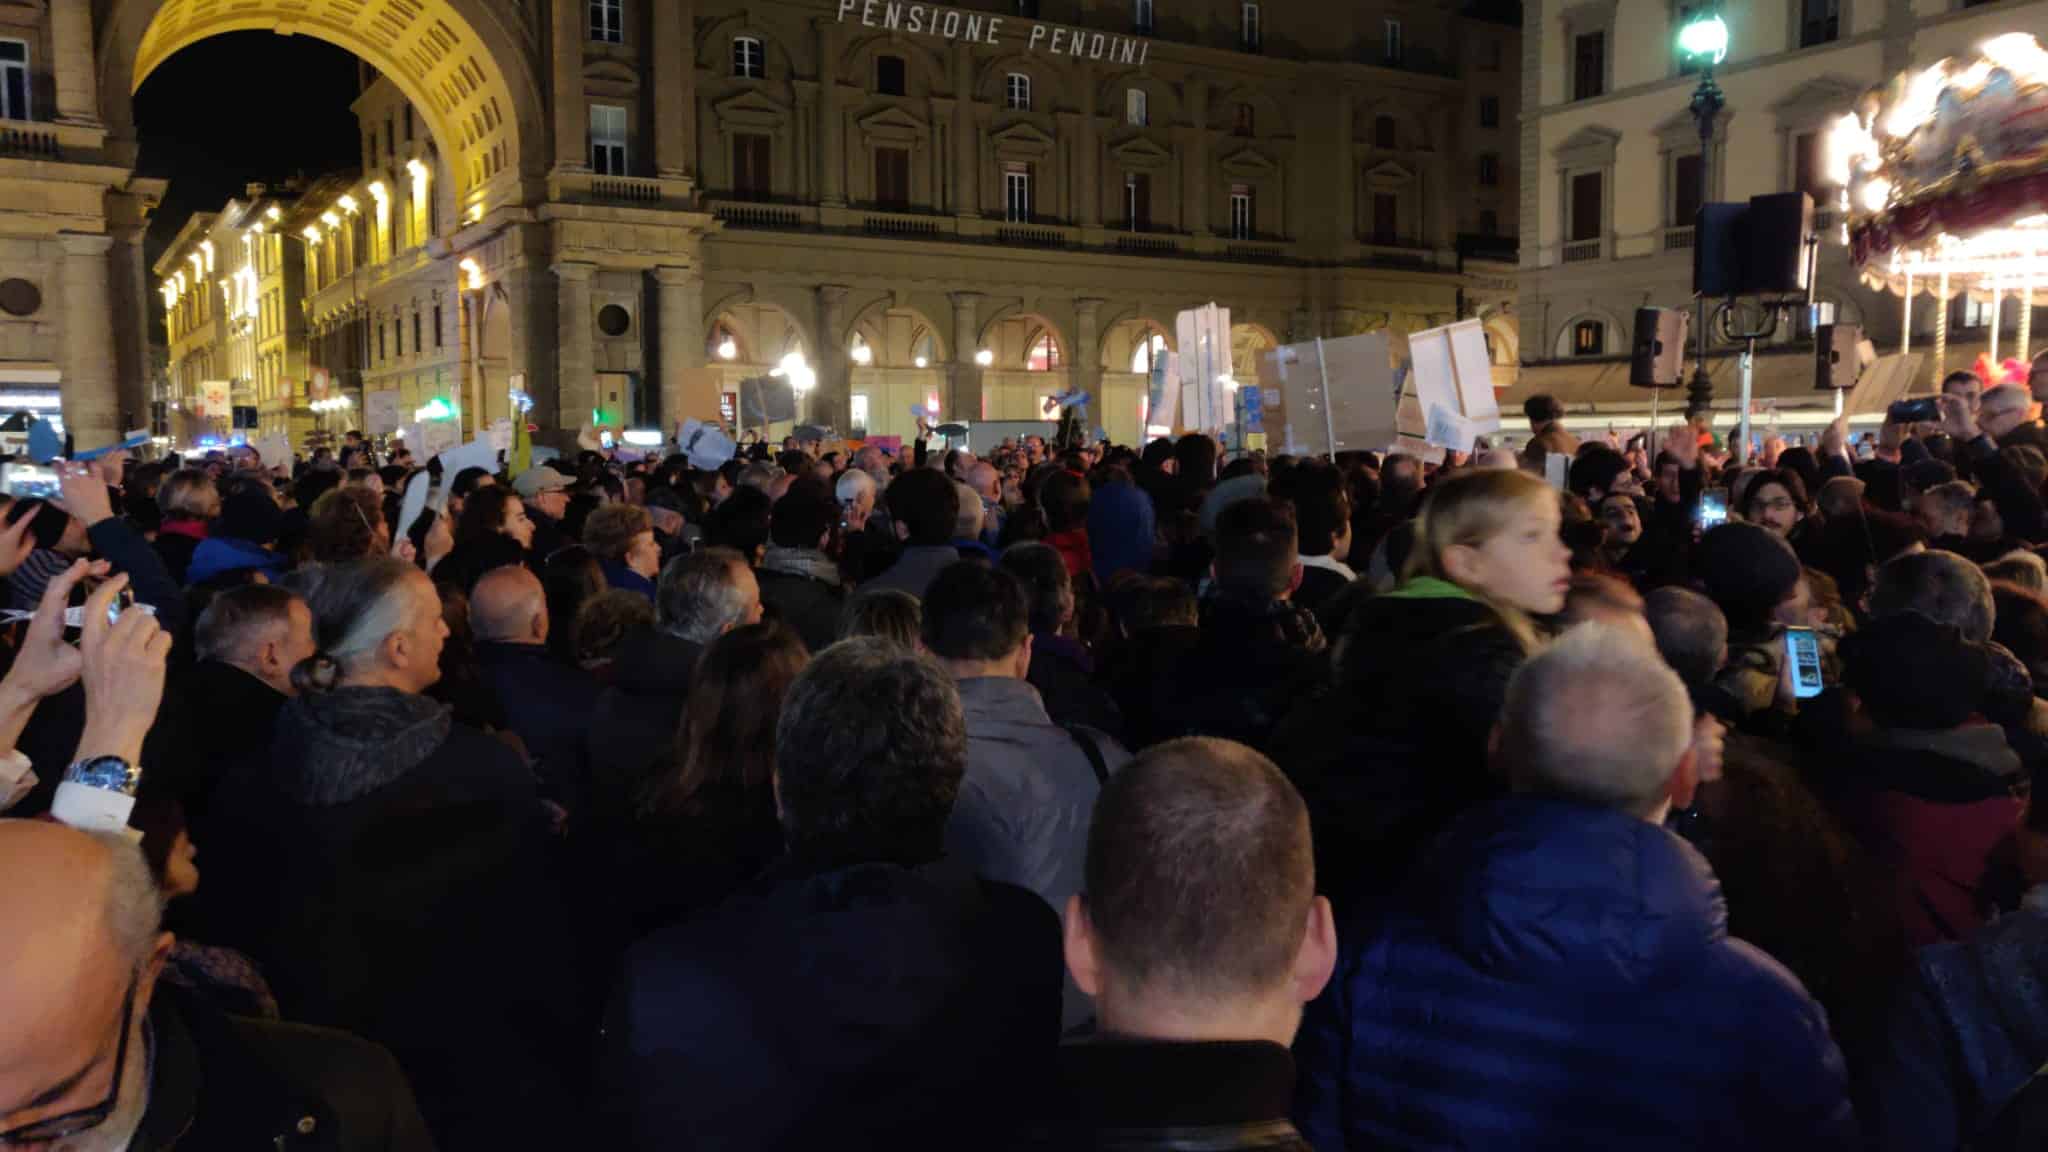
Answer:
(1705, 38)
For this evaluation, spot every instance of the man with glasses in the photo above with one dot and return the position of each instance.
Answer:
(97, 1054)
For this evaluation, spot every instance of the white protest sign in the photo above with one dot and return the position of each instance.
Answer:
(501, 434)
(380, 412)
(411, 505)
(704, 444)
(276, 452)
(478, 453)
(1452, 372)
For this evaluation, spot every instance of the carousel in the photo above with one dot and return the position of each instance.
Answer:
(1944, 178)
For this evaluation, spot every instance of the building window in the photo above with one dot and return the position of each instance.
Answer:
(437, 325)
(408, 123)
(381, 353)
(1971, 312)
(1820, 22)
(1016, 192)
(1138, 201)
(747, 58)
(1589, 338)
(1588, 209)
(1489, 170)
(1384, 135)
(1245, 120)
(1241, 217)
(1809, 170)
(417, 343)
(390, 138)
(1489, 111)
(608, 21)
(1017, 91)
(1386, 218)
(1141, 15)
(607, 139)
(750, 152)
(1489, 222)
(1589, 65)
(1394, 47)
(892, 177)
(1490, 56)
(1044, 355)
(889, 75)
(1685, 190)
(1248, 30)
(1134, 107)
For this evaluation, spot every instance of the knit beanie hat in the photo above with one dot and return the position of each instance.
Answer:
(1748, 570)
(249, 512)
(1913, 673)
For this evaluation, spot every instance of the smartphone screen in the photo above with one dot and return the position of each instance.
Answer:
(1713, 510)
(1802, 657)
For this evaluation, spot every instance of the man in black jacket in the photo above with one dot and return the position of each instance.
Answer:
(865, 993)
(548, 703)
(96, 1053)
(247, 641)
(1199, 989)
(800, 585)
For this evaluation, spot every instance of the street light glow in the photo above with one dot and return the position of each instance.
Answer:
(727, 350)
(1705, 38)
(984, 357)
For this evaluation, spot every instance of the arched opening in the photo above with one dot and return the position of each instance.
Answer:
(905, 368)
(763, 340)
(1027, 361)
(1247, 343)
(1131, 349)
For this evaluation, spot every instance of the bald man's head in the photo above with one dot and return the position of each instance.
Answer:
(77, 943)
(508, 605)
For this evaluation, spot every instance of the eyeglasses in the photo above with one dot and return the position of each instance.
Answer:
(1781, 504)
(54, 1128)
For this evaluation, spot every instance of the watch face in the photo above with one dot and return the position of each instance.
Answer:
(110, 773)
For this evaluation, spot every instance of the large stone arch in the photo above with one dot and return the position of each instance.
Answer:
(463, 63)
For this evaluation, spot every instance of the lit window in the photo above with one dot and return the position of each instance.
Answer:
(1138, 201)
(1241, 218)
(860, 410)
(1149, 351)
(1017, 192)
(1589, 338)
(608, 21)
(1044, 355)
(1017, 91)
(1248, 26)
(607, 140)
(1134, 107)
(747, 58)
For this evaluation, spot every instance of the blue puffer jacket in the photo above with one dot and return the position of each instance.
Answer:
(1559, 976)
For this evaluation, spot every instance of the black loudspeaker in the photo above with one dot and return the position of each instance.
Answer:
(1779, 225)
(1720, 250)
(1836, 364)
(1660, 347)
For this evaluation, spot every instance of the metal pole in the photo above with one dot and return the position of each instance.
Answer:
(1329, 419)
(2026, 346)
(1706, 106)
(1906, 317)
(1748, 373)
(1941, 330)
(1997, 298)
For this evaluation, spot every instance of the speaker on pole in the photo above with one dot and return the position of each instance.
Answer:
(1720, 250)
(1836, 362)
(1779, 225)
(1656, 361)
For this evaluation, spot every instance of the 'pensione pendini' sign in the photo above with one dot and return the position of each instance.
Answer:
(984, 28)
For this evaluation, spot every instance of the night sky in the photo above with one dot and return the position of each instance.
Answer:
(240, 107)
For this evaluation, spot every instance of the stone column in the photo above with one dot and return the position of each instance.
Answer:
(831, 129)
(831, 404)
(675, 83)
(572, 117)
(131, 313)
(91, 401)
(576, 387)
(679, 294)
(72, 62)
(1084, 365)
(964, 386)
(1197, 203)
(966, 141)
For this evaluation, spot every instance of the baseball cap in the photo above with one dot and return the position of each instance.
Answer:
(538, 479)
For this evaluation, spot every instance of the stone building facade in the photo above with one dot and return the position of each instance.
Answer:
(633, 204)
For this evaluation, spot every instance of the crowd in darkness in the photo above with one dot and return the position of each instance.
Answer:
(1051, 797)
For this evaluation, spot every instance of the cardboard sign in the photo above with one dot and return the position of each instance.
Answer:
(1334, 395)
(276, 452)
(1451, 371)
(380, 412)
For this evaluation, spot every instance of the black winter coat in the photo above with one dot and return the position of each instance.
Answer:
(549, 704)
(1398, 747)
(1252, 661)
(805, 605)
(387, 873)
(871, 1006)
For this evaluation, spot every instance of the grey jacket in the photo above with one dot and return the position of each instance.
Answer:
(1027, 798)
(916, 568)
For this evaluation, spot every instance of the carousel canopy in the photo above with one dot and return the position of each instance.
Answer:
(1945, 172)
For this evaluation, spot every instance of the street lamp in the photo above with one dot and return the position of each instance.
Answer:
(1704, 41)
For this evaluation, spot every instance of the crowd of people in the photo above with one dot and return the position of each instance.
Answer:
(1047, 798)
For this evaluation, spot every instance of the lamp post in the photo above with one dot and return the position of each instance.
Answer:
(1704, 40)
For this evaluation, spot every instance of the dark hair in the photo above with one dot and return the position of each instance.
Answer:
(804, 514)
(727, 735)
(972, 612)
(1255, 548)
(1159, 602)
(1542, 409)
(885, 613)
(343, 525)
(1048, 587)
(1200, 873)
(1597, 466)
(230, 616)
(869, 753)
(610, 530)
(2023, 629)
(467, 481)
(742, 522)
(571, 577)
(1065, 496)
(1784, 478)
(1691, 633)
(1196, 456)
(925, 501)
(1322, 506)
(483, 514)
(604, 620)
(50, 521)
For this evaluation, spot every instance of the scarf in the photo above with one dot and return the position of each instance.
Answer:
(807, 562)
(42, 566)
(338, 746)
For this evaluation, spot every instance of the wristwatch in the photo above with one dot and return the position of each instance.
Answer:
(97, 794)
